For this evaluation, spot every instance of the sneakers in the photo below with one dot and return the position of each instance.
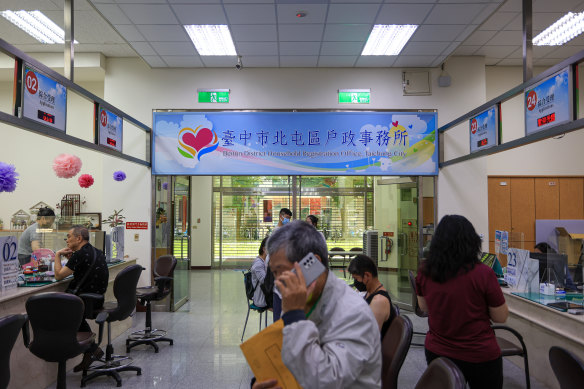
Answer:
(88, 358)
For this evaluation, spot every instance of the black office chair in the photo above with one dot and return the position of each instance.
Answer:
(251, 306)
(442, 373)
(9, 329)
(394, 349)
(509, 349)
(333, 257)
(55, 318)
(125, 292)
(416, 306)
(568, 368)
(163, 276)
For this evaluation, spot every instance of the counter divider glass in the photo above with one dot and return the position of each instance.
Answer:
(573, 300)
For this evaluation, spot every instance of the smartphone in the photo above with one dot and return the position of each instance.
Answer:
(312, 268)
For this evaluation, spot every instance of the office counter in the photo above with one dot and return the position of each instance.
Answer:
(28, 371)
(541, 328)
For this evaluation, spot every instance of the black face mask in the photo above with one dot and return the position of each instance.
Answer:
(360, 286)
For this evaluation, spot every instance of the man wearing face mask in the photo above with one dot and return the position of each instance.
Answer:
(364, 272)
(285, 217)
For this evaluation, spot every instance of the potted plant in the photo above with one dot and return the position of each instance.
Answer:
(115, 219)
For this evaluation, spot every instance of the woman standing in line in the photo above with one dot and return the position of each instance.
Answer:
(462, 296)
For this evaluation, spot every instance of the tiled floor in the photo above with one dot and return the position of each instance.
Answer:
(207, 333)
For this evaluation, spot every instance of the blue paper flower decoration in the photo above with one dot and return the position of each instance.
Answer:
(165, 185)
(7, 177)
(119, 175)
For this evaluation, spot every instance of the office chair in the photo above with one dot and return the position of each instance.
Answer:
(416, 306)
(252, 306)
(441, 373)
(125, 292)
(55, 319)
(9, 329)
(331, 257)
(568, 368)
(163, 276)
(509, 349)
(394, 349)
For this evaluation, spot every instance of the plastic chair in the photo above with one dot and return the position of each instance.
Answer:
(163, 272)
(332, 257)
(252, 306)
(9, 329)
(55, 318)
(441, 373)
(416, 306)
(568, 368)
(394, 349)
(509, 349)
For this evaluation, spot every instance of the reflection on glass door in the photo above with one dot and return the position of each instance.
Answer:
(181, 240)
(407, 238)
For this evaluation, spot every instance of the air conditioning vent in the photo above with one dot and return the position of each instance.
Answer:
(371, 245)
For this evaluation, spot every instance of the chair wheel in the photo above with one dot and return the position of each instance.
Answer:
(171, 342)
(139, 373)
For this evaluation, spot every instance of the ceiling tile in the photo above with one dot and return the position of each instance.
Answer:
(510, 62)
(200, 14)
(438, 33)
(220, 61)
(251, 13)
(454, 13)
(499, 20)
(479, 37)
(556, 6)
(149, 13)
(298, 61)
(506, 38)
(302, 32)
(492, 61)
(352, 13)
(337, 61)
(468, 30)
(139, 1)
(424, 48)
(517, 53)
(546, 62)
(511, 6)
(541, 51)
(129, 32)
(254, 32)
(359, 1)
(565, 51)
(143, 48)
(299, 48)
(261, 61)
(341, 48)
(413, 61)
(203, 1)
(241, 1)
(315, 13)
(496, 51)
(154, 61)
(163, 33)
(257, 48)
(183, 61)
(466, 50)
(112, 13)
(174, 48)
(403, 13)
(347, 32)
(486, 12)
(376, 61)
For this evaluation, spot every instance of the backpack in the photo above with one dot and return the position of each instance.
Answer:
(267, 288)
(249, 288)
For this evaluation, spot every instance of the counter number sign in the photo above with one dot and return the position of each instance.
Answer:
(474, 125)
(32, 82)
(103, 118)
(531, 100)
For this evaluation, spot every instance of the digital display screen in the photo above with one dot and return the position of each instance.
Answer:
(47, 117)
(546, 119)
(483, 142)
(111, 142)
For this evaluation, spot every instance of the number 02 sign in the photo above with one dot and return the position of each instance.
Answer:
(9, 255)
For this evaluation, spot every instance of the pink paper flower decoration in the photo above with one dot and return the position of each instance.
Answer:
(66, 165)
(85, 180)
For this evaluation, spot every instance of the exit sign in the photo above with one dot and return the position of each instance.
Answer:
(354, 96)
(213, 96)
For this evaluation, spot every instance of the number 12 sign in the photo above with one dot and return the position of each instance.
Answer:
(44, 100)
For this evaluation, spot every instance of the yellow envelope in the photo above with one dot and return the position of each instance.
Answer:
(263, 354)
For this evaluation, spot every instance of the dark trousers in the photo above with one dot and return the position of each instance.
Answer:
(277, 308)
(481, 375)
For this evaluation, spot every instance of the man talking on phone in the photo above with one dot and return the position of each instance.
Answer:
(330, 336)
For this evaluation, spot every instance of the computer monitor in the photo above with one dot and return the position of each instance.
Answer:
(552, 267)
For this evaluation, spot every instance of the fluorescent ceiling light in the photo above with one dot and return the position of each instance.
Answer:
(388, 39)
(36, 25)
(565, 29)
(211, 39)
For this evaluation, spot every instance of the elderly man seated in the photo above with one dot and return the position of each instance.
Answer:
(330, 336)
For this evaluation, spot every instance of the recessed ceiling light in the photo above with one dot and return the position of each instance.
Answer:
(565, 29)
(37, 25)
(211, 39)
(388, 39)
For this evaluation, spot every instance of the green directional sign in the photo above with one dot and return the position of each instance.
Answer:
(354, 97)
(213, 97)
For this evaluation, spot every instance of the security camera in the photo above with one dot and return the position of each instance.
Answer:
(239, 64)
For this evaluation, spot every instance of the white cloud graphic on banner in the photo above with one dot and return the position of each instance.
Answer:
(417, 124)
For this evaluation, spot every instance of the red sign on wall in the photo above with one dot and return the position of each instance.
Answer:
(136, 225)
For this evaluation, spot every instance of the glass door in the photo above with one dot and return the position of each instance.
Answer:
(407, 238)
(181, 246)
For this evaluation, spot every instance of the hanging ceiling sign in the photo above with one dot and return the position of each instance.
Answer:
(111, 129)
(295, 143)
(549, 102)
(354, 96)
(213, 95)
(484, 129)
(44, 100)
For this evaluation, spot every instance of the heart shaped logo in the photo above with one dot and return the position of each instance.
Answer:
(395, 123)
(203, 137)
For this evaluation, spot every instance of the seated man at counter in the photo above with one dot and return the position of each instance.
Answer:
(83, 258)
(330, 336)
(32, 238)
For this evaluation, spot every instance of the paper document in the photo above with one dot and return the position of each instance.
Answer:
(263, 354)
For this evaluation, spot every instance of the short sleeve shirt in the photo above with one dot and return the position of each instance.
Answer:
(28, 236)
(80, 262)
(458, 314)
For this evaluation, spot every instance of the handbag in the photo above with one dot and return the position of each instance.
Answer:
(75, 291)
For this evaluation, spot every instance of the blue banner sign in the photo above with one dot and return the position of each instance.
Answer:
(549, 102)
(484, 129)
(295, 143)
(44, 100)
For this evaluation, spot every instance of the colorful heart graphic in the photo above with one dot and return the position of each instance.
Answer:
(195, 143)
(203, 137)
(395, 123)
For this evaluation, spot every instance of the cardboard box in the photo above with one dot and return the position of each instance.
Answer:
(569, 244)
